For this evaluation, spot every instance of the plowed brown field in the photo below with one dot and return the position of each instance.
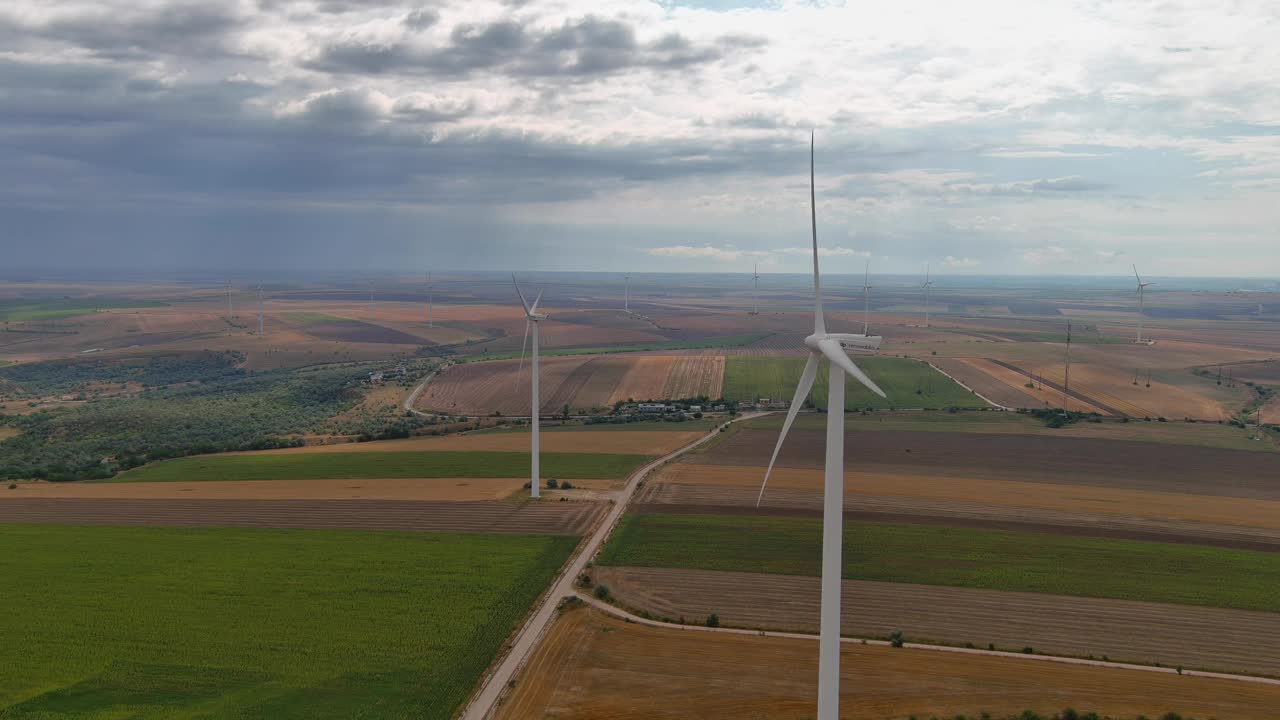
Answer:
(593, 666)
(555, 518)
(985, 383)
(1143, 632)
(1030, 458)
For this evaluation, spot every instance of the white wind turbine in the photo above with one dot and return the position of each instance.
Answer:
(831, 346)
(430, 297)
(626, 293)
(755, 291)
(927, 284)
(532, 316)
(1141, 307)
(866, 297)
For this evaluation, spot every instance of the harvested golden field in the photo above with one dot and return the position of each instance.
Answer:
(1042, 395)
(363, 489)
(645, 378)
(696, 375)
(1204, 638)
(591, 665)
(966, 371)
(480, 388)
(926, 488)
(622, 442)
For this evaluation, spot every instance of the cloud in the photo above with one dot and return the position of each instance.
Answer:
(833, 251)
(705, 252)
(959, 262)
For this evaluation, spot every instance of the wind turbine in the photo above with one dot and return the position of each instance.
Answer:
(927, 284)
(831, 346)
(866, 297)
(1141, 287)
(430, 297)
(755, 291)
(532, 316)
(260, 309)
(626, 293)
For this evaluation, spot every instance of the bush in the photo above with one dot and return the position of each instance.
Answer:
(896, 639)
(602, 592)
(713, 620)
(552, 483)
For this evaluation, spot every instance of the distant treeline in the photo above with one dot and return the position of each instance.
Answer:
(226, 411)
(64, 376)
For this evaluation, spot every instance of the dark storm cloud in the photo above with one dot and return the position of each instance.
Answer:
(190, 29)
(586, 47)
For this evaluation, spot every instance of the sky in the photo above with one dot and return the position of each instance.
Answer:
(985, 138)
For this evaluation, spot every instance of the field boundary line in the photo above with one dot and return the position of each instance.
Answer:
(956, 380)
(494, 685)
(1064, 659)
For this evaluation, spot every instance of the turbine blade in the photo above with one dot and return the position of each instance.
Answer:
(536, 300)
(520, 292)
(831, 348)
(523, 344)
(802, 392)
(819, 324)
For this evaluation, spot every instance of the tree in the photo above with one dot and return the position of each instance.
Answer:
(713, 620)
(896, 639)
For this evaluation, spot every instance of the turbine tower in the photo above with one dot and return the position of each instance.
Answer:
(832, 346)
(626, 293)
(531, 317)
(866, 297)
(1141, 288)
(927, 284)
(755, 291)
(260, 309)
(430, 297)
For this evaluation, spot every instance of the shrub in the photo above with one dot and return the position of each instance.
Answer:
(896, 639)
(552, 483)
(566, 485)
(713, 620)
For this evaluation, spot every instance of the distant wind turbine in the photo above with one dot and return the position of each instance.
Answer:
(755, 291)
(532, 317)
(430, 298)
(866, 297)
(626, 293)
(1141, 309)
(261, 306)
(832, 346)
(927, 284)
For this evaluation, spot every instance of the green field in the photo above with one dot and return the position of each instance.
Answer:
(703, 425)
(19, 310)
(711, 342)
(396, 464)
(908, 383)
(961, 557)
(131, 622)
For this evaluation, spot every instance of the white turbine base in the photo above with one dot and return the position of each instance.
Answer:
(832, 547)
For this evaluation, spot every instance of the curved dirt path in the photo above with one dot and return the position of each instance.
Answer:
(539, 621)
(620, 613)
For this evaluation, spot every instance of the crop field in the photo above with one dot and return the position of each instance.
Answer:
(462, 489)
(1080, 461)
(522, 517)
(408, 464)
(958, 557)
(358, 331)
(1124, 630)
(1102, 509)
(17, 310)
(1267, 373)
(583, 382)
(908, 383)
(1212, 435)
(594, 666)
(695, 376)
(151, 622)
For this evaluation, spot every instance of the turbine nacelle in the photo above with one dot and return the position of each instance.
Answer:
(848, 341)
